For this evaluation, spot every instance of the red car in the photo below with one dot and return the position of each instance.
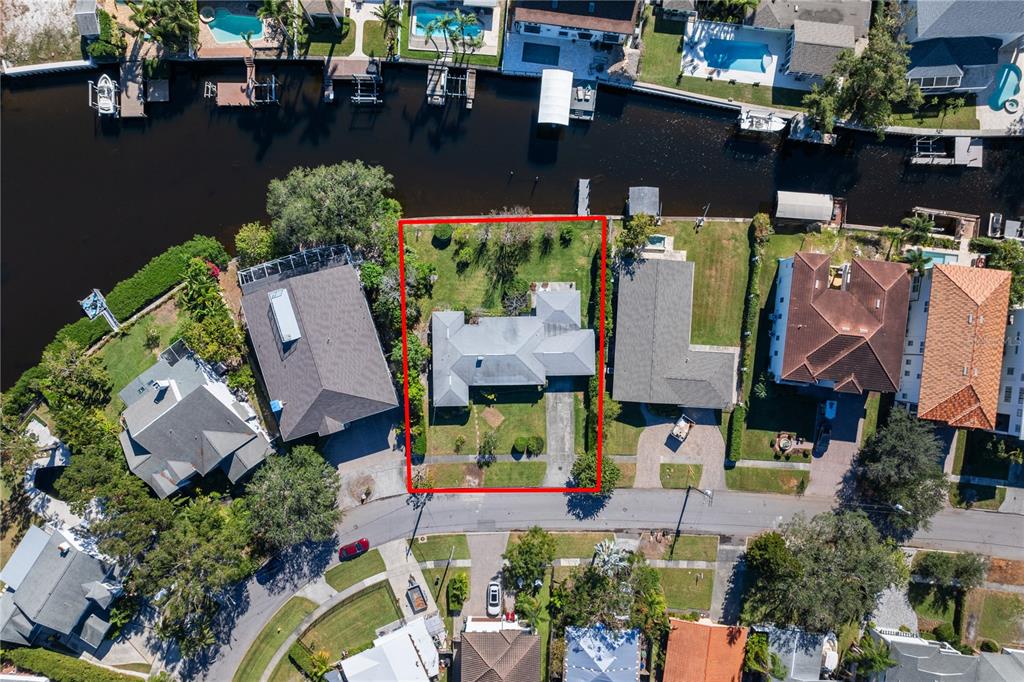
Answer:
(353, 549)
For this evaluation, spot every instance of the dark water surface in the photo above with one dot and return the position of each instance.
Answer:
(85, 203)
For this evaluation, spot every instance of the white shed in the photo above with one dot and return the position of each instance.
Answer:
(555, 96)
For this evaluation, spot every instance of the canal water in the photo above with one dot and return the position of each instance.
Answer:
(84, 203)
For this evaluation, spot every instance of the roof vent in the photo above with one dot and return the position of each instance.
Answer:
(878, 303)
(284, 315)
(970, 318)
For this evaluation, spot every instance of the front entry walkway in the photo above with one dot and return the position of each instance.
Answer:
(559, 401)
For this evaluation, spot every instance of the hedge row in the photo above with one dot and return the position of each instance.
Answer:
(736, 421)
(529, 445)
(302, 657)
(61, 668)
(128, 297)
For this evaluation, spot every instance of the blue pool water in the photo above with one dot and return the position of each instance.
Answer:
(424, 14)
(1007, 86)
(735, 54)
(229, 28)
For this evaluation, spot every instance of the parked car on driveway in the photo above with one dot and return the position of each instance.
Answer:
(494, 599)
(353, 549)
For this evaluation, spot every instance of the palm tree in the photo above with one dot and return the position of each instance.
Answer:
(282, 14)
(759, 659)
(918, 227)
(916, 262)
(460, 23)
(871, 656)
(608, 558)
(528, 607)
(173, 24)
(390, 17)
(443, 25)
(895, 237)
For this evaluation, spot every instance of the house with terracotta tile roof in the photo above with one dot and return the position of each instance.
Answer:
(953, 351)
(704, 652)
(839, 326)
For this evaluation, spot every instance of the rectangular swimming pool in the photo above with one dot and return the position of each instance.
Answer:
(735, 54)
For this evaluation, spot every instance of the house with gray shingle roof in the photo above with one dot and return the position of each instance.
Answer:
(655, 362)
(182, 422)
(54, 589)
(509, 351)
(958, 45)
(318, 351)
(920, 660)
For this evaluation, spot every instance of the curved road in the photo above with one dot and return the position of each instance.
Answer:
(731, 513)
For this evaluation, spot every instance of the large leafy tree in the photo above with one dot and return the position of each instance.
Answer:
(1008, 254)
(254, 244)
(344, 203)
(293, 498)
(172, 23)
(827, 571)
(527, 558)
(72, 377)
(899, 468)
(867, 86)
(17, 450)
(584, 472)
(631, 238)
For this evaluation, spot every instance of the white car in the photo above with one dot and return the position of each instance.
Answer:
(494, 599)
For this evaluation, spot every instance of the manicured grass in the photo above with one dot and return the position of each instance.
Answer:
(680, 475)
(623, 432)
(660, 65)
(870, 416)
(931, 607)
(721, 253)
(522, 474)
(272, 636)
(438, 547)
(980, 459)
(931, 116)
(324, 40)
(135, 667)
(785, 481)
(969, 495)
(433, 576)
(516, 411)
(475, 59)
(692, 548)
(374, 44)
(126, 356)
(573, 545)
(783, 410)
(351, 626)
(959, 451)
(543, 624)
(579, 418)
(450, 475)
(348, 573)
(687, 588)
(1001, 615)
(628, 474)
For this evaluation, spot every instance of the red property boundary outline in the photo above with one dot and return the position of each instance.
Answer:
(405, 347)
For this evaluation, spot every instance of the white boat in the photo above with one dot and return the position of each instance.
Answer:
(107, 96)
(754, 121)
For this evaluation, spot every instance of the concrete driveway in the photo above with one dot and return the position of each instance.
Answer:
(368, 456)
(560, 442)
(827, 471)
(485, 550)
(704, 445)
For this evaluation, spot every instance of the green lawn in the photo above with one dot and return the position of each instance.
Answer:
(980, 458)
(374, 44)
(451, 475)
(786, 481)
(573, 545)
(628, 474)
(272, 637)
(136, 667)
(976, 496)
(543, 624)
(324, 40)
(579, 417)
(931, 116)
(438, 589)
(473, 59)
(680, 475)
(660, 65)
(623, 432)
(348, 573)
(1001, 614)
(692, 548)
(522, 474)
(721, 252)
(931, 606)
(126, 355)
(870, 416)
(438, 547)
(959, 451)
(351, 626)
(784, 409)
(687, 588)
(509, 412)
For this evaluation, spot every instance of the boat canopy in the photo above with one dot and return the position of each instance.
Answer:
(804, 206)
(555, 96)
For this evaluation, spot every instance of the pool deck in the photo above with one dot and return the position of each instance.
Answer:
(699, 33)
(488, 20)
(1002, 120)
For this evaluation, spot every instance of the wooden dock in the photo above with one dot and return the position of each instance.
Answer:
(583, 196)
(133, 91)
(437, 84)
(470, 87)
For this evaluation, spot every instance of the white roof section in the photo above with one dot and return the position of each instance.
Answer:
(407, 654)
(24, 557)
(555, 96)
(804, 206)
(284, 315)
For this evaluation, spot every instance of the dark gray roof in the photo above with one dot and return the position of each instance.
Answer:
(782, 14)
(965, 19)
(509, 351)
(922, 661)
(174, 433)
(974, 59)
(15, 628)
(55, 593)
(335, 373)
(177, 363)
(799, 651)
(644, 200)
(679, 5)
(86, 19)
(598, 654)
(817, 45)
(654, 360)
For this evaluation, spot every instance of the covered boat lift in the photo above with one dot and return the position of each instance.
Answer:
(804, 208)
(555, 96)
(645, 200)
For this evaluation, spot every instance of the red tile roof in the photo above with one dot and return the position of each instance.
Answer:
(963, 352)
(853, 335)
(704, 652)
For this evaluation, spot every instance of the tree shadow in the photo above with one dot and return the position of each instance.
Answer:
(585, 505)
(735, 593)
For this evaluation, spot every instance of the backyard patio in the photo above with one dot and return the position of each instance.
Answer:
(742, 54)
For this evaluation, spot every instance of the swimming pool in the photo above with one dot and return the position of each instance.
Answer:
(229, 28)
(1007, 86)
(940, 257)
(424, 14)
(735, 54)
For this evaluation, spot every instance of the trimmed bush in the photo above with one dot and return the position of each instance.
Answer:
(988, 646)
(61, 668)
(302, 657)
(736, 419)
(534, 445)
(944, 632)
(442, 235)
(519, 444)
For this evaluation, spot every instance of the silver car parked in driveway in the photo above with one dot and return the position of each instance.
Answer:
(494, 599)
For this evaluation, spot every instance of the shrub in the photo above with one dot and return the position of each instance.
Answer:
(945, 633)
(988, 646)
(565, 234)
(242, 379)
(464, 257)
(519, 444)
(458, 590)
(736, 419)
(460, 442)
(419, 440)
(215, 338)
(61, 668)
(762, 226)
(110, 44)
(488, 443)
(442, 235)
(20, 396)
(302, 657)
(152, 339)
(254, 244)
(534, 445)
